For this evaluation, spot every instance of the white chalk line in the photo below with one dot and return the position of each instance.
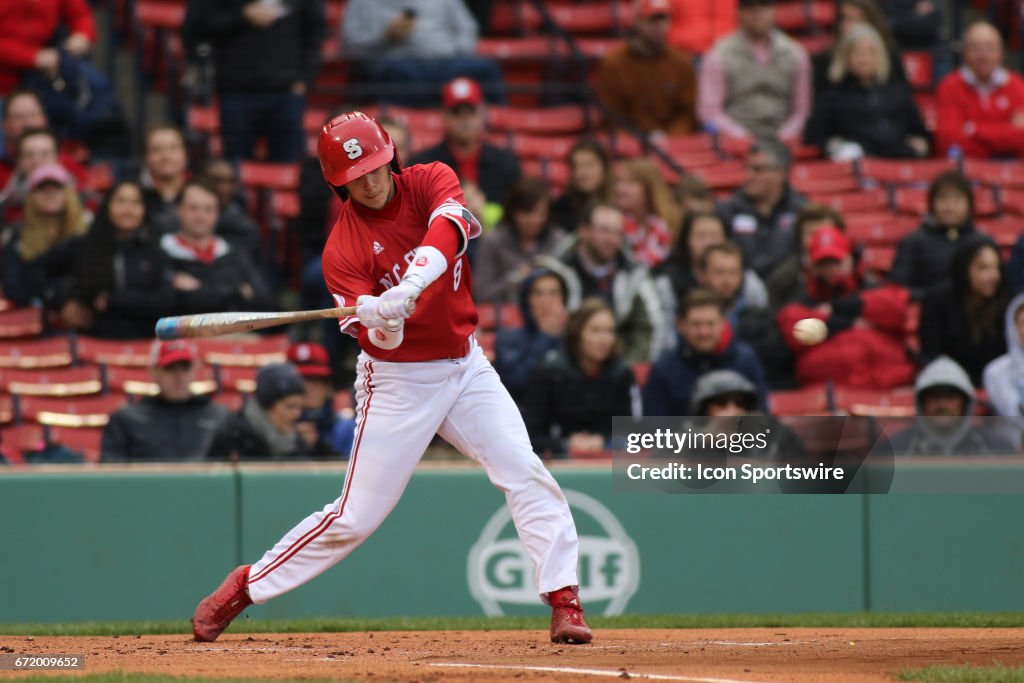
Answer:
(606, 673)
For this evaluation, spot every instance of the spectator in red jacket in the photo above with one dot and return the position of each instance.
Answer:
(28, 29)
(697, 24)
(981, 105)
(864, 346)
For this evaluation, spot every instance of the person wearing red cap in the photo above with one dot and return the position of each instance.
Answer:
(493, 169)
(866, 328)
(410, 47)
(646, 82)
(175, 424)
(320, 423)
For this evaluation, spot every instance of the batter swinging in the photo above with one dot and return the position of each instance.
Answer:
(402, 234)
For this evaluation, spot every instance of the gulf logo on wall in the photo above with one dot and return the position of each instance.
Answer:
(501, 574)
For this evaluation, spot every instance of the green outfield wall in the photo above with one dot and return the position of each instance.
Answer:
(149, 543)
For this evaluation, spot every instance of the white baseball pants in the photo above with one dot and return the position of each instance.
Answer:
(400, 408)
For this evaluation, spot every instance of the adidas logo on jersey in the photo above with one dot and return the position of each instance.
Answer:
(376, 247)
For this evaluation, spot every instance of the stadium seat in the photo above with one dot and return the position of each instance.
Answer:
(84, 440)
(591, 17)
(285, 204)
(6, 409)
(859, 401)
(260, 174)
(903, 172)
(486, 341)
(865, 201)
(74, 381)
(232, 400)
(140, 382)
(237, 379)
(244, 353)
(1006, 175)
(725, 176)
(813, 185)
(36, 353)
(810, 400)
(1005, 230)
(93, 411)
(21, 322)
(885, 229)
(540, 146)
(1012, 201)
(878, 259)
(130, 353)
(565, 120)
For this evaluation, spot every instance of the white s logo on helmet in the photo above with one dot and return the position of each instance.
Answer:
(353, 148)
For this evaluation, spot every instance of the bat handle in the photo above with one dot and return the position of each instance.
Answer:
(393, 324)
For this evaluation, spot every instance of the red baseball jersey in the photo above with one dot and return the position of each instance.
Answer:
(369, 250)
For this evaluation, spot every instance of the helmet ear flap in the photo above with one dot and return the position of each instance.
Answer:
(340, 191)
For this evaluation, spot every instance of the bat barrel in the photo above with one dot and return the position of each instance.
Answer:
(168, 329)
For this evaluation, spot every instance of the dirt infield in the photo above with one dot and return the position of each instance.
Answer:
(711, 655)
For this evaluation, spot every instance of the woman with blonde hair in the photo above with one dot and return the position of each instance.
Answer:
(39, 260)
(652, 214)
(863, 111)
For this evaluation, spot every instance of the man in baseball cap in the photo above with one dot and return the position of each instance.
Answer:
(492, 168)
(320, 421)
(174, 424)
(866, 327)
(647, 82)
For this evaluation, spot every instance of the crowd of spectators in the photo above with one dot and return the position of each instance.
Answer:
(637, 295)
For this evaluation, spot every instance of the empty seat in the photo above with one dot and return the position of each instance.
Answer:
(80, 381)
(256, 352)
(1005, 230)
(84, 440)
(140, 382)
(21, 322)
(261, 174)
(879, 228)
(92, 411)
(1003, 174)
(865, 201)
(904, 172)
(878, 259)
(237, 379)
(36, 353)
(130, 353)
(565, 120)
(811, 400)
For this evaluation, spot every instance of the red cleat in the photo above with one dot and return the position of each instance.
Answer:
(216, 612)
(567, 625)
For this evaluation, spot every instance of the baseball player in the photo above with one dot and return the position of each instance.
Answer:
(399, 246)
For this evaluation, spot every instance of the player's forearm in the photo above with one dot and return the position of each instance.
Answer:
(438, 249)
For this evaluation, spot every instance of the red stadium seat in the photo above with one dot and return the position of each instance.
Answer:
(132, 353)
(1005, 230)
(69, 412)
(36, 353)
(286, 204)
(883, 229)
(1002, 174)
(140, 382)
(237, 379)
(882, 402)
(591, 17)
(80, 381)
(6, 409)
(160, 14)
(879, 259)
(566, 120)
(1012, 201)
(84, 440)
(901, 172)
(689, 144)
(822, 170)
(541, 146)
(231, 400)
(261, 174)
(724, 176)
(865, 201)
(811, 185)
(811, 400)
(21, 322)
(243, 353)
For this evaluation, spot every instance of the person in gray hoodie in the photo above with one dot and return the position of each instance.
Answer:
(945, 423)
(1004, 376)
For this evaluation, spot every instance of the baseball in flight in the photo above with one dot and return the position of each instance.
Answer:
(810, 331)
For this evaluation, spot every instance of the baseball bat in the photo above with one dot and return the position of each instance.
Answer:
(214, 324)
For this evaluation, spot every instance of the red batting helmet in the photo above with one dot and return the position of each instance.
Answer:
(353, 144)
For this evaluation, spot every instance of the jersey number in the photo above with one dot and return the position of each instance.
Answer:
(353, 148)
(457, 275)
